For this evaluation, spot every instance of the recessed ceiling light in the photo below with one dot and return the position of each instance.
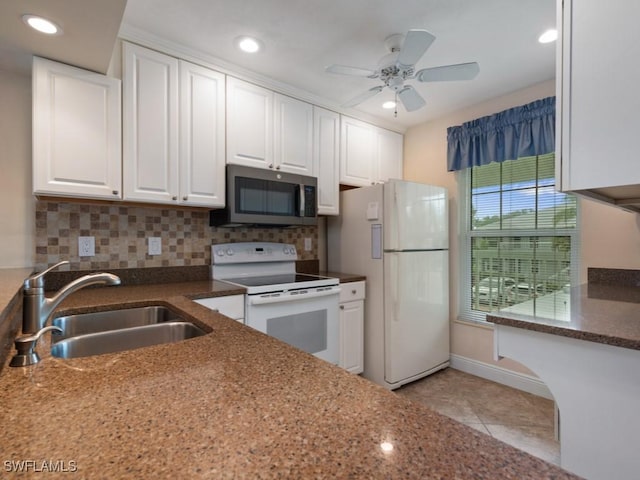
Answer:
(42, 24)
(249, 44)
(549, 36)
(389, 104)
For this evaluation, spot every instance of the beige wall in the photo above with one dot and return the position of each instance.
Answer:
(609, 237)
(17, 206)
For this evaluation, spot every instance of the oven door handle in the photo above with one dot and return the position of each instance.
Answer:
(261, 300)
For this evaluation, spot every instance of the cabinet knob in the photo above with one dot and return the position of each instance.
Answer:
(174, 198)
(115, 192)
(278, 167)
(353, 292)
(185, 198)
(341, 307)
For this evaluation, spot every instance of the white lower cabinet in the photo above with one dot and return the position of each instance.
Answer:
(231, 306)
(352, 326)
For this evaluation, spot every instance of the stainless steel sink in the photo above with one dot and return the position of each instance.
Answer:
(81, 324)
(118, 330)
(124, 339)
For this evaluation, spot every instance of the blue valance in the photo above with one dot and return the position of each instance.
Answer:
(522, 131)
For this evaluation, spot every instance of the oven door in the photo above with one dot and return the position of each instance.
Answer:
(305, 318)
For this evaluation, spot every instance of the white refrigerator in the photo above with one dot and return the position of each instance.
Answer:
(396, 234)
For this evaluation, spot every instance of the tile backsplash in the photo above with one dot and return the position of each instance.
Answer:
(121, 233)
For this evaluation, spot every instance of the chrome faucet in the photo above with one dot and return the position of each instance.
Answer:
(37, 308)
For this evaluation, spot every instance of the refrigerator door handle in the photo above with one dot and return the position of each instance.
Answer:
(394, 285)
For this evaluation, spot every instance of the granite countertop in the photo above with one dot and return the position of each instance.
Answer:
(608, 314)
(234, 403)
(344, 277)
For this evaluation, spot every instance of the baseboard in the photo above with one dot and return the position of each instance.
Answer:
(521, 381)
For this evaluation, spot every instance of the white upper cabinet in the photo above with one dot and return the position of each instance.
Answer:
(76, 132)
(249, 124)
(174, 130)
(598, 101)
(268, 130)
(202, 136)
(357, 152)
(150, 125)
(293, 130)
(390, 147)
(368, 154)
(326, 159)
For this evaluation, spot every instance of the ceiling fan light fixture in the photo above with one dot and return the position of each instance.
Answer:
(548, 36)
(41, 24)
(249, 44)
(389, 104)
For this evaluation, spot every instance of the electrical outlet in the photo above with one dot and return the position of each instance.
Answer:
(155, 245)
(307, 244)
(86, 246)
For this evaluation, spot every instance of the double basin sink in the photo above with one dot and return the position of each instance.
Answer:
(113, 331)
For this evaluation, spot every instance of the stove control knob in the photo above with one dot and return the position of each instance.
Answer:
(292, 251)
(229, 251)
(220, 253)
(285, 250)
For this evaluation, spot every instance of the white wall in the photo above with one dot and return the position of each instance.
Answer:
(610, 237)
(17, 204)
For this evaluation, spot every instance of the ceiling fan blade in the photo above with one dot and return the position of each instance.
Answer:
(461, 71)
(416, 42)
(362, 97)
(411, 99)
(346, 70)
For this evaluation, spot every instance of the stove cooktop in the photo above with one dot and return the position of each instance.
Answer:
(284, 281)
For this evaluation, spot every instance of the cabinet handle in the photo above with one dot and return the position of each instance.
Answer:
(115, 192)
(278, 167)
(174, 198)
(341, 307)
(185, 198)
(353, 292)
(271, 165)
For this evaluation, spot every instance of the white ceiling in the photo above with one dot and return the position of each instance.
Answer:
(302, 37)
(90, 31)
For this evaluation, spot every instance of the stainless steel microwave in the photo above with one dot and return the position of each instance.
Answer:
(267, 197)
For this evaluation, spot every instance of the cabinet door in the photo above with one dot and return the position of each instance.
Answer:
(357, 152)
(202, 136)
(76, 132)
(293, 135)
(389, 150)
(352, 336)
(600, 103)
(150, 129)
(326, 158)
(249, 124)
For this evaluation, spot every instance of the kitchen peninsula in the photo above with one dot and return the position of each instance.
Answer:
(585, 345)
(231, 404)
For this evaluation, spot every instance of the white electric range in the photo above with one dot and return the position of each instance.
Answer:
(299, 309)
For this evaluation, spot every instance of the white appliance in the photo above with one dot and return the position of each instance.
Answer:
(396, 235)
(299, 309)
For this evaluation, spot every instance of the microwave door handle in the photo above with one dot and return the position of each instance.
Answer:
(302, 195)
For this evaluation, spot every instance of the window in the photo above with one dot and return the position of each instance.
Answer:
(520, 237)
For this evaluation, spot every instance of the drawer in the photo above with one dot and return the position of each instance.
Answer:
(351, 291)
(231, 306)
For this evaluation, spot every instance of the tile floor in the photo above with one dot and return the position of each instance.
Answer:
(515, 417)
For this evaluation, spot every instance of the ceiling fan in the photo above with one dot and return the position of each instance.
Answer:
(398, 66)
